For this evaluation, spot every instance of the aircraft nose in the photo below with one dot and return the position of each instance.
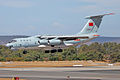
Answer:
(9, 45)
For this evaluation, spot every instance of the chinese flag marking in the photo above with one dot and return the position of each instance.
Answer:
(90, 24)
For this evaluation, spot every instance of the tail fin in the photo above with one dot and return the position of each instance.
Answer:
(93, 24)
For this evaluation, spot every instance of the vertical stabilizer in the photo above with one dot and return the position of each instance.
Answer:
(93, 24)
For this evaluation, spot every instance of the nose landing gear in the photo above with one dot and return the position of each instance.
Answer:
(25, 52)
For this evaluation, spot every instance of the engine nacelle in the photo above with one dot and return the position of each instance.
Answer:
(43, 42)
(54, 42)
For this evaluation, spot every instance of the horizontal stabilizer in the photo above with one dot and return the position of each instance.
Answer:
(90, 17)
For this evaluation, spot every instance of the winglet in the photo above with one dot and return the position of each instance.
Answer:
(89, 17)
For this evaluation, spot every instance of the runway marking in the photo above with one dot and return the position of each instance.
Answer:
(50, 77)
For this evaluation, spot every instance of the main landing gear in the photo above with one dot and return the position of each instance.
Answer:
(53, 50)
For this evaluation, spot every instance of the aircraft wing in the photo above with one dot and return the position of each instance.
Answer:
(63, 38)
(72, 38)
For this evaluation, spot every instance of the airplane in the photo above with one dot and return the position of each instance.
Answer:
(56, 43)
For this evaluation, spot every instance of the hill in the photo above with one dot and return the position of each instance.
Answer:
(106, 39)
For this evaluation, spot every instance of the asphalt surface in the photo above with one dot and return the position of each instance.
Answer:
(62, 73)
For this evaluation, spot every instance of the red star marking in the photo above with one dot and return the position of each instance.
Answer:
(90, 24)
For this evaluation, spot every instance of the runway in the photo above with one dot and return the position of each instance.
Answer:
(61, 73)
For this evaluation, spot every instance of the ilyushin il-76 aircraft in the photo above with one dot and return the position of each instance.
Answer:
(56, 43)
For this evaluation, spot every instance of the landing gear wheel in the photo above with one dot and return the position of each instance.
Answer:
(47, 51)
(60, 50)
(53, 51)
(25, 52)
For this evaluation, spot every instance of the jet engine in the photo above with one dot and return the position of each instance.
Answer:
(50, 42)
(43, 42)
(54, 42)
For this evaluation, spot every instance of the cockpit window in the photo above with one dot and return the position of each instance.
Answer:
(12, 41)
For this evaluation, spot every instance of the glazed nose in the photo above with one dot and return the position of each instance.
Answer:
(9, 45)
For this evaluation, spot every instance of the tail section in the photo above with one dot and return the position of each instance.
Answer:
(93, 24)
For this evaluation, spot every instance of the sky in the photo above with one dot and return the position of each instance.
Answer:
(56, 17)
